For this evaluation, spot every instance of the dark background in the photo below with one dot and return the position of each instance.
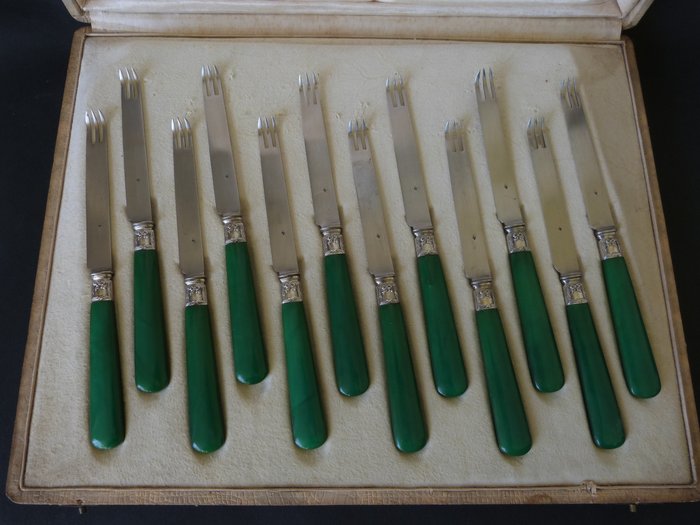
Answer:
(35, 39)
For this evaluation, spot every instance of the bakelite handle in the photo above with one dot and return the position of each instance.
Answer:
(446, 360)
(603, 414)
(351, 375)
(206, 419)
(407, 424)
(308, 423)
(249, 358)
(509, 419)
(540, 346)
(637, 358)
(151, 368)
(107, 428)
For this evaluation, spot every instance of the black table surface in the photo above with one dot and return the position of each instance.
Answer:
(35, 39)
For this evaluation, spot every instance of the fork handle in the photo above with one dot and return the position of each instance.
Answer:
(106, 421)
(543, 360)
(638, 365)
(306, 412)
(151, 370)
(407, 423)
(351, 375)
(448, 369)
(249, 357)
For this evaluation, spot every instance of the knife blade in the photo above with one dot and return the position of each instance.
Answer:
(406, 416)
(350, 365)
(206, 420)
(604, 421)
(540, 346)
(151, 370)
(249, 357)
(447, 364)
(306, 412)
(636, 355)
(508, 414)
(106, 406)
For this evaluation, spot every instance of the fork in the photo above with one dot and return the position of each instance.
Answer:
(249, 357)
(636, 356)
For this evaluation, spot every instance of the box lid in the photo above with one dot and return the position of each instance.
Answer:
(543, 20)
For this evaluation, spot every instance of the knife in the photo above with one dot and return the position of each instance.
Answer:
(107, 429)
(206, 419)
(407, 424)
(151, 370)
(308, 423)
(635, 351)
(603, 413)
(540, 346)
(351, 374)
(507, 412)
(449, 373)
(249, 358)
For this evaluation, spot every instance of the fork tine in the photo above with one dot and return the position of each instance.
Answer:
(492, 85)
(216, 80)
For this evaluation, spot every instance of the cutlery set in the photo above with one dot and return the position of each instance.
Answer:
(207, 428)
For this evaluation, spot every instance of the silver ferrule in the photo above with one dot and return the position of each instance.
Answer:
(574, 292)
(424, 241)
(102, 289)
(144, 236)
(516, 238)
(333, 243)
(234, 230)
(196, 291)
(290, 288)
(386, 290)
(484, 297)
(608, 245)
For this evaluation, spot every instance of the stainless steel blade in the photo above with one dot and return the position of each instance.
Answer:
(595, 194)
(189, 230)
(317, 157)
(471, 230)
(556, 217)
(138, 188)
(98, 238)
(415, 199)
(498, 155)
(371, 210)
(279, 219)
(226, 196)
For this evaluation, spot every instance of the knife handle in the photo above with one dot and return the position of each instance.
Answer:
(448, 369)
(249, 359)
(351, 375)
(206, 419)
(509, 419)
(602, 411)
(407, 423)
(543, 360)
(107, 428)
(305, 409)
(151, 368)
(637, 358)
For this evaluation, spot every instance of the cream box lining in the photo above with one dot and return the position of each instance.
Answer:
(260, 78)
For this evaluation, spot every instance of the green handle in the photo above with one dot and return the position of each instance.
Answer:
(540, 346)
(636, 356)
(151, 370)
(308, 423)
(509, 419)
(602, 411)
(249, 360)
(448, 369)
(351, 374)
(206, 419)
(107, 429)
(407, 424)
